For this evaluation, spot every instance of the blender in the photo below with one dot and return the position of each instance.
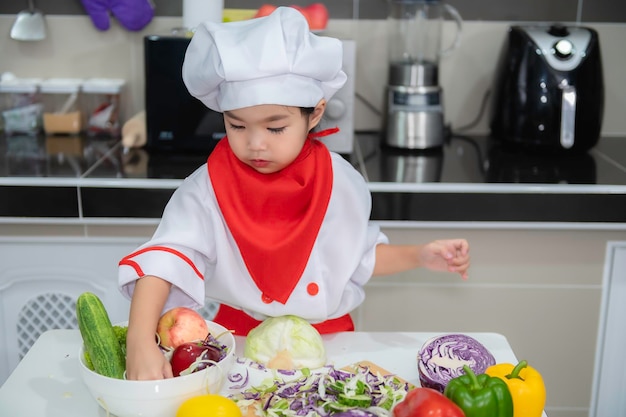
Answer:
(413, 115)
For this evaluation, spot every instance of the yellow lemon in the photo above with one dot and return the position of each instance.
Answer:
(209, 405)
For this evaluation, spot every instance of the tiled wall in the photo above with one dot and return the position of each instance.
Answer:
(485, 10)
(74, 48)
(539, 288)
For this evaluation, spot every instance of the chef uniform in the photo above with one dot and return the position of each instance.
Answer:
(297, 241)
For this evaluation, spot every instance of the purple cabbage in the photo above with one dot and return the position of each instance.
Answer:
(240, 380)
(355, 413)
(442, 358)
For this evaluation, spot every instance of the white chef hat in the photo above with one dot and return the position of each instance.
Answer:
(268, 60)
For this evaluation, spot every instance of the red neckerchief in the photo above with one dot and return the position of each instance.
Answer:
(274, 218)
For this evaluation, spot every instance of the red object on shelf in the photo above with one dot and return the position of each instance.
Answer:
(316, 14)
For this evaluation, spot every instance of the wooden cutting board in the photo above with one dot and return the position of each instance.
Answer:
(375, 369)
(249, 412)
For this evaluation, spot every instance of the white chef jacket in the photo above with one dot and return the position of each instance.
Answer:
(194, 250)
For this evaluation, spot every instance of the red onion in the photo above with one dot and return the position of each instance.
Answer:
(442, 358)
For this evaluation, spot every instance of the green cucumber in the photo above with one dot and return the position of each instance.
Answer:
(99, 337)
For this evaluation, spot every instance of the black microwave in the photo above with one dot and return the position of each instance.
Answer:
(175, 120)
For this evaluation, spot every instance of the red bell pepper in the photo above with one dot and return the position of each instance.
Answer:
(426, 402)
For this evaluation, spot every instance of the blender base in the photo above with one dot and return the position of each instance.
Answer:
(415, 130)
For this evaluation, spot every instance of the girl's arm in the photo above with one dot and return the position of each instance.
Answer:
(144, 359)
(440, 255)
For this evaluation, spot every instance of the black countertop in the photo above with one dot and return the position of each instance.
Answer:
(470, 179)
(479, 160)
(478, 180)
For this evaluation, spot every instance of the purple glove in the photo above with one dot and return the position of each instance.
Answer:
(132, 14)
(98, 10)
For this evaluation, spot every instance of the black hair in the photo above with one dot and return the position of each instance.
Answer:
(307, 111)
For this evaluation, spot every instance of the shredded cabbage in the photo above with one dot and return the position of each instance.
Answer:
(325, 393)
(286, 342)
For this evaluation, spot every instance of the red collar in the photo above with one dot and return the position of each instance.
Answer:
(274, 218)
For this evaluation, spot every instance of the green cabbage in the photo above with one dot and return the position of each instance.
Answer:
(286, 342)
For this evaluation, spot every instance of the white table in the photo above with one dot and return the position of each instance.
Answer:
(47, 381)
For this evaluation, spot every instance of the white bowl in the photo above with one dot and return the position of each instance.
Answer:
(158, 398)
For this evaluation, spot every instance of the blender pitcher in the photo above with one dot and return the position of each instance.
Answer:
(414, 113)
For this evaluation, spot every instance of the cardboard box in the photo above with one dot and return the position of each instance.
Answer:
(68, 123)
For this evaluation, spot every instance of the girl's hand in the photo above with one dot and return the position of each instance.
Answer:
(146, 362)
(446, 255)
(144, 359)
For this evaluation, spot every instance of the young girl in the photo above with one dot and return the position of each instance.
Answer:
(273, 223)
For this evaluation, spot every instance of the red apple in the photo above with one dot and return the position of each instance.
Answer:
(181, 325)
(317, 16)
(186, 354)
(265, 10)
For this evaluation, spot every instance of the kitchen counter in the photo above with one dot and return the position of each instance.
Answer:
(469, 180)
(47, 381)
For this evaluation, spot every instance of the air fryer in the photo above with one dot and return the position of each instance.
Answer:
(549, 89)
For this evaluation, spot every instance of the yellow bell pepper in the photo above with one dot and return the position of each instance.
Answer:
(526, 386)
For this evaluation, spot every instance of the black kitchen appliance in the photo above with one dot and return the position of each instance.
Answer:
(175, 120)
(548, 93)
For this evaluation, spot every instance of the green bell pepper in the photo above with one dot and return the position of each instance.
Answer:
(480, 395)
